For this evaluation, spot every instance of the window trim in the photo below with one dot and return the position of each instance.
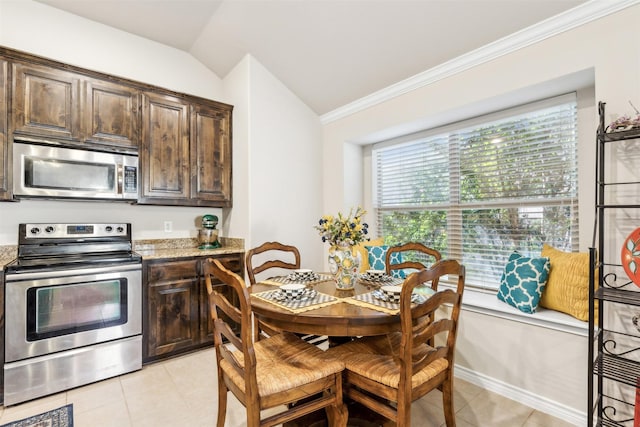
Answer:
(476, 120)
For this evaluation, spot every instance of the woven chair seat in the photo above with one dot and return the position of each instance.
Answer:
(284, 362)
(386, 374)
(375, 358)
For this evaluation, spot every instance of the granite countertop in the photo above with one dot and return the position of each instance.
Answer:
(184, 248)
(7, 254)
(156, 249)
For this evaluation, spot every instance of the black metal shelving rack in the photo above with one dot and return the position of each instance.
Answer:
(609, 284)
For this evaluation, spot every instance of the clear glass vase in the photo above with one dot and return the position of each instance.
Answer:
(344, 264)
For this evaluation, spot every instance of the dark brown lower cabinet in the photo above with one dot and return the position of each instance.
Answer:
(175, 305)
(2, 336)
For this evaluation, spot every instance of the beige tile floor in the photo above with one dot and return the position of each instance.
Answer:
(182, 392)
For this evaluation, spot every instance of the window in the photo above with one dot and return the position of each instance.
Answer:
(478, 190)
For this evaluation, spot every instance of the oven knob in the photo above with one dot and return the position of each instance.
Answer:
(120, 229)
(34, 230)
(108, 229)
(49, 229)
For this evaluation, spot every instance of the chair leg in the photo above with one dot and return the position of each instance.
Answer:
(253, 415)
(337, 415)
(403, 417)
(447, 402)
(222, 401)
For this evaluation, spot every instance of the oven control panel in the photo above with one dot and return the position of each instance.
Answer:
(58, 231)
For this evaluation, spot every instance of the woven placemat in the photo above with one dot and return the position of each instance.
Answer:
(297, 305)
(370, 301)
(283, 280)
(391, 281)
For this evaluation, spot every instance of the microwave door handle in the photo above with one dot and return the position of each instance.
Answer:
(120, 178)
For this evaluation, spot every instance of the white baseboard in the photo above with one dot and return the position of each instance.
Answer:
(525, 397)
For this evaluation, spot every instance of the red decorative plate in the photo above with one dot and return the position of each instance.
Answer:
(630, 256)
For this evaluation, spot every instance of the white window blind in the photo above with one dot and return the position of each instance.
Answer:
(479, 189)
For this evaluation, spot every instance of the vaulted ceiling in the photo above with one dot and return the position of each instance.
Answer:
(328, 52)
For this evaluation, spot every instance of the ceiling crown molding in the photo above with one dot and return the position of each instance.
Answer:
(580, 15)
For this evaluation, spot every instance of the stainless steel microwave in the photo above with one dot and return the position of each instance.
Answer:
(52, 171)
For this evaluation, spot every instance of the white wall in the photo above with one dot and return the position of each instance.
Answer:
(543, 368)
(285, 162)
(276, 163)
(237, 219)
(489, 346)
(147, 222)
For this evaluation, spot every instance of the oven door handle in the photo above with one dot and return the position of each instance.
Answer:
(50, 274)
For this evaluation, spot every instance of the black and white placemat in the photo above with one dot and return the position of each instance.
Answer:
(282, 280)
(297, 305)
(371, 300)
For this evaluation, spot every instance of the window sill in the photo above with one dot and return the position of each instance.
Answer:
(487, 303)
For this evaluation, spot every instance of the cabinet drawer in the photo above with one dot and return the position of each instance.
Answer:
(184, 269)
(232, 262)
(172, 270)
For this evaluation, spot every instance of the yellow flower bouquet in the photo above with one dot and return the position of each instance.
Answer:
(344, 230)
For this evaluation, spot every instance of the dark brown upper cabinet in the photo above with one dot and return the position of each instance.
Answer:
(185, 154)
(110, 114)
(211, 154)
(64, 106)
(164, 154)
(46, 103)
(5, 165)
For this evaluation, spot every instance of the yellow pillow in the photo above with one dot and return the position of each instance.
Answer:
(364, 255)
(567, 288)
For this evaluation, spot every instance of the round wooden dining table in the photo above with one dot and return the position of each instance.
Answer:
(341, 319)
(337, 320)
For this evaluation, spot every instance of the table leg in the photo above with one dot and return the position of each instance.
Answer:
(336, 341)
(358, 416)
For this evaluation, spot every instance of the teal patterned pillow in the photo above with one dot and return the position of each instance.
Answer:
(522, 282)
(377, 256)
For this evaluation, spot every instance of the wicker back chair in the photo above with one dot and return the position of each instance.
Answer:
(387, 373)
(430, 254)
(281, 370)
(281, 256)
(274, 249)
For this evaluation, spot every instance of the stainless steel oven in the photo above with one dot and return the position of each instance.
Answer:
(73, 302)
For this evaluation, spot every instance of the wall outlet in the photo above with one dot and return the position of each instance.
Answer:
(168, 226)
